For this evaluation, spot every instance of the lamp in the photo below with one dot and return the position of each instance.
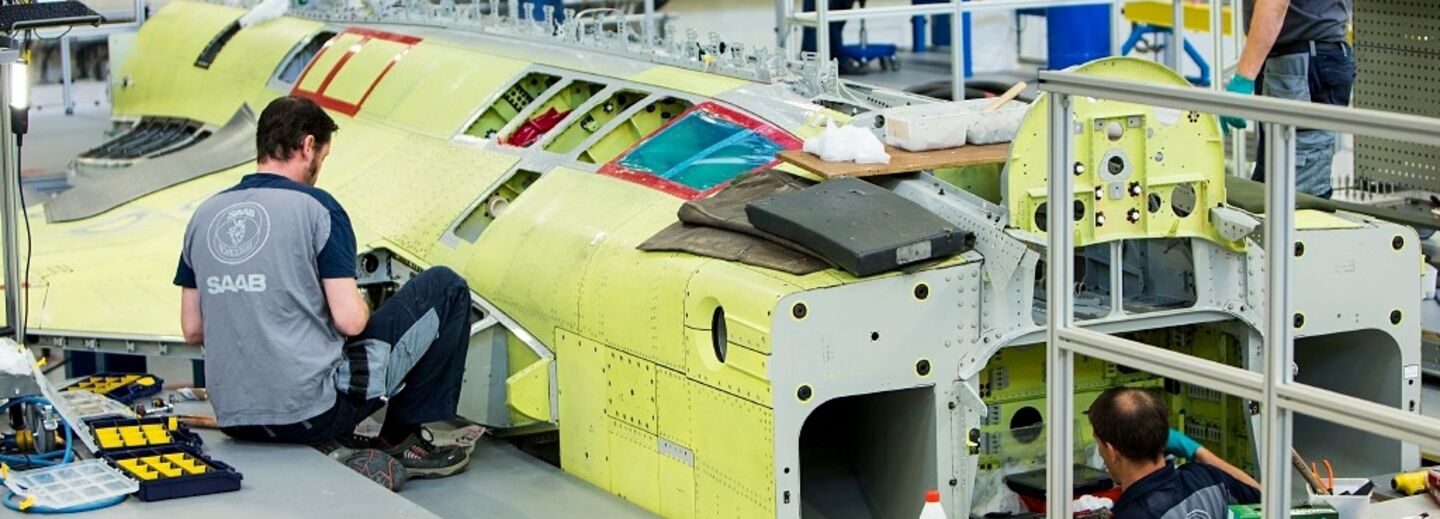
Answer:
(19, 98)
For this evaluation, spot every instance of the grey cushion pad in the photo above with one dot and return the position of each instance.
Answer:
(862, 227)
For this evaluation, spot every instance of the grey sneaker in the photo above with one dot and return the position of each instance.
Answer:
(379, 467)
(374, 464)
(423, 459)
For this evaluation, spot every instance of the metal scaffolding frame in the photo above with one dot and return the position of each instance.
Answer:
(786, 19)
(120, 22)
(1277, 394)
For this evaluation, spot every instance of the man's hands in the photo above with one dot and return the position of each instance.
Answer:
(1239, 84)
(347, 308)
(1181, 446)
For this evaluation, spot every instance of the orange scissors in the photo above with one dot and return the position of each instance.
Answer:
(1329, 482)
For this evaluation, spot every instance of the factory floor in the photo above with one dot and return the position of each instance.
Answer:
(284, 481)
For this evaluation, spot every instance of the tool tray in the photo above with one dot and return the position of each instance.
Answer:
(114, 435)
(174, 471)
(125, 387)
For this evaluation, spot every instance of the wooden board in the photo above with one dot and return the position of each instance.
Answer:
(901, 161)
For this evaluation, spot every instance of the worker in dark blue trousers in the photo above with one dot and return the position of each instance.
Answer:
(1297, 49)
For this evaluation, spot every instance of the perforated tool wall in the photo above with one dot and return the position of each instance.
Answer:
(1397, 58)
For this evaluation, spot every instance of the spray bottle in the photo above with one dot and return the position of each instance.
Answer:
(932, 509)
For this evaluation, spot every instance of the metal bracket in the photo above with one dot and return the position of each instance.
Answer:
(1232, 223)
(677, 451)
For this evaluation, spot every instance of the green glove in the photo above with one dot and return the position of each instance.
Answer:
(1181, 446)
(1238, 85)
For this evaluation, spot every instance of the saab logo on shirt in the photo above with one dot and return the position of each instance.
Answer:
(236, 283)
(238, 232)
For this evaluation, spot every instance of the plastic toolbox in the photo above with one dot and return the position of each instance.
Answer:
(174, 471)
(65, 486)
(90, 406)
(949, 125)
(116, 434)
(125, 387)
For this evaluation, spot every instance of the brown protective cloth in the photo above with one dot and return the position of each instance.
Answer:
(717, 227)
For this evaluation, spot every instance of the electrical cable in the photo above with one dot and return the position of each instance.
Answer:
(42, 37)
(29, 240)
(26, 460)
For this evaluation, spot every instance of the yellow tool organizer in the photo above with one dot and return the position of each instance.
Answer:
(163, 456)
(123, 387)
(170, 465)
(131, 436)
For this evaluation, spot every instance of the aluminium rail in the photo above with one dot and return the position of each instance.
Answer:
(1275, 390)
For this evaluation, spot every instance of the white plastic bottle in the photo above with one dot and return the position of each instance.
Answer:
(932, 509)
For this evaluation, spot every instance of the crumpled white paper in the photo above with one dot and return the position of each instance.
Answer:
(847, 144)
(13, 360)
(1088, 503)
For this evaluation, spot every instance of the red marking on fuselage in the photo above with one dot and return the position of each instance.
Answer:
(366, 36)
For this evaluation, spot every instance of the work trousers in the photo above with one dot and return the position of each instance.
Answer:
(425, 327)
(1324, 73)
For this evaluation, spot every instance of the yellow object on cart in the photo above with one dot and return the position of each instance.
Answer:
(1159, 13)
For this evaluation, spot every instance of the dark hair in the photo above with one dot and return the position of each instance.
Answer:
(285, 123)
(1135, 421)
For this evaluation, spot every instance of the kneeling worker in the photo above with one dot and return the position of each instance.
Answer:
(1133, 436)
(291, 352)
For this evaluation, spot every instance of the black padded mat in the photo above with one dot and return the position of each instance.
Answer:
(858, 226)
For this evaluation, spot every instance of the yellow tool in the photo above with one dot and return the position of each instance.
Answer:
(1409, 483)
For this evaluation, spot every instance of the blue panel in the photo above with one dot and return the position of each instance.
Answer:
(1077, 34)
(701, 151)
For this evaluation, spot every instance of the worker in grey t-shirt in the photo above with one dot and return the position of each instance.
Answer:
(1297, 49)
(292, 353)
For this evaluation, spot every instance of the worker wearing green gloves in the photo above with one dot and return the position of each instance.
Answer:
(1296, 49)
(1133, 436)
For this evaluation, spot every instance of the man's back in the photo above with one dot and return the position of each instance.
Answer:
(256, 253)
(1192, 491)
(1311, 20)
